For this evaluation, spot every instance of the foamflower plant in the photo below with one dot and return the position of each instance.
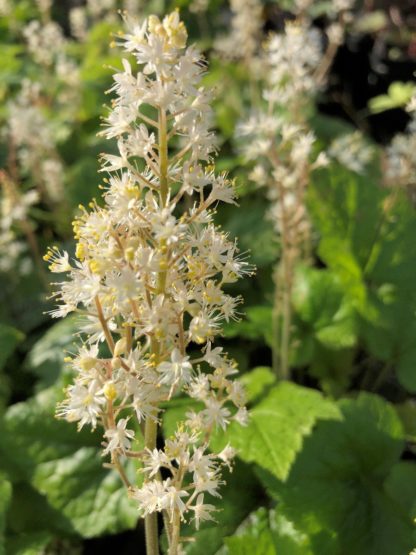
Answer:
(148, 281)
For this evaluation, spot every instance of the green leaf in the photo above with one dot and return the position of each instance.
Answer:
(255, 539)
(67, 468)
(9, 339)
(345, 490)
(347, 210)
(287, 539)
(278, 426)
(392, 336)
(269, 533)
(92, 498)
(407, 415)
(30, 514)
(46, 359)
(257, 381)
(28, 544)
(254, 231)
(398, 95)
(256, 324)
(366, 240)
(321, 305)
(5, 496)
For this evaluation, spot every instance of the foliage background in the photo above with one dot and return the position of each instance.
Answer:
(327, 463)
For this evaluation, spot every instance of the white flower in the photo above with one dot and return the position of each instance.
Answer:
(216, 414)
(177, 371)
(153, 461)
(57, 262)
(172, 499)
(119, 437)
(227, 455)
(202, 511)
(150, 497)
(242, 416)
(84, 404)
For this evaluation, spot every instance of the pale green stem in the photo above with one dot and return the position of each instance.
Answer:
(150, 434)
(176, 526)
(282, 319)
(150, 521)
(163, 156)
(286, 325)
(275, 326)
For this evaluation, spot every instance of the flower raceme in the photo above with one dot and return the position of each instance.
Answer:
(149, 280)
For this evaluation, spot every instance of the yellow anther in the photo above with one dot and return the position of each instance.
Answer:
(110, 391)
(87, 363)
(94, 266)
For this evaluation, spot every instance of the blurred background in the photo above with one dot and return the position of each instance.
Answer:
(352, 295)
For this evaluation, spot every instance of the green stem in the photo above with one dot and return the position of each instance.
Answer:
(275, 327)
(150, 521)
(176, 526)
(282, 320)
(163, 156)
(150, 431)
(286, 325)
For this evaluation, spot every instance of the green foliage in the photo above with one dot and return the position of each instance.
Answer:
(28, 544)
(256, 538)
(9, 339)
(268, 533)
(254, 231)
(277, 427)
(5, 496)
(366, 242)
(65, 470)
(256, 324)
(348, 498)
(257, 382)
(325, 328)
(46, 358)
(321, 305)
(398, 95)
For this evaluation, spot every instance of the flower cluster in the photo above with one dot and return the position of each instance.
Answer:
(401, 157)
(81, 17)
(183, 455)
(14, 209)
(33, 137)
(243, 41)
(38, 117)
(351, 151)
(293, 57)
(278, 137)
(149, 277)
(44, 41)
(277, 141)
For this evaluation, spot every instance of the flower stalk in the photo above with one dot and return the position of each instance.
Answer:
(149, 278)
